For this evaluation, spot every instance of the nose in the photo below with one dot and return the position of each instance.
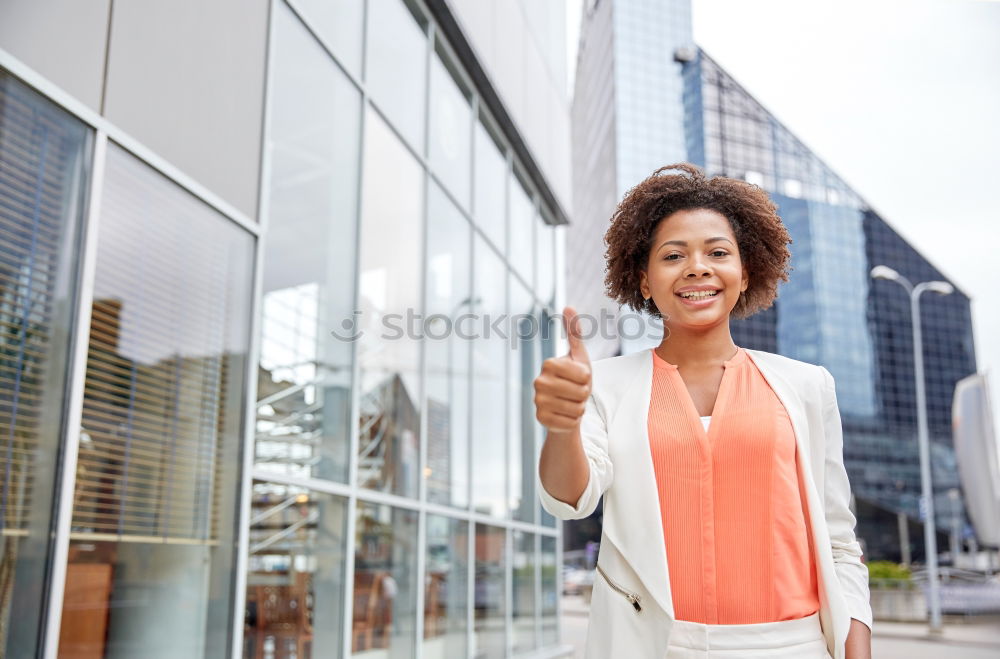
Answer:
(698, 266)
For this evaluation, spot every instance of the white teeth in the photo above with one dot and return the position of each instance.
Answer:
(699, 295)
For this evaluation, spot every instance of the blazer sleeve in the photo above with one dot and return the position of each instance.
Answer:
(852, 573)
(594, 435)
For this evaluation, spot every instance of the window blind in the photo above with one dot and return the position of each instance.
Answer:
(41, 170)
(165, 365)
(44, 154)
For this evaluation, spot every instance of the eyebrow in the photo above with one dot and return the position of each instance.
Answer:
(683, 243)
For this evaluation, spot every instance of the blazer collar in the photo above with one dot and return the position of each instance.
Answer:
(632, 515)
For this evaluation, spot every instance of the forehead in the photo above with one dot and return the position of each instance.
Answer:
(694, 223)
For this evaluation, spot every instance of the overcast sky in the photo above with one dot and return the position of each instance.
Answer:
(902, 99)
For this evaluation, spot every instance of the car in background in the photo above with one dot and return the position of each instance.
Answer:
(577, 580)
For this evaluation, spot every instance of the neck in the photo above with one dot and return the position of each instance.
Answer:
(697, 348)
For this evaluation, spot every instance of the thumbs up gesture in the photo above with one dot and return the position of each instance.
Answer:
(562, 388)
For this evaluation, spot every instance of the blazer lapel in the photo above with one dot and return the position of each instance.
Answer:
(632, 510)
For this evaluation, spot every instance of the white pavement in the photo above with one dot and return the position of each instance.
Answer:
(974, 638)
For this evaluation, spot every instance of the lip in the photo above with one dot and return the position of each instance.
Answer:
(693, 289)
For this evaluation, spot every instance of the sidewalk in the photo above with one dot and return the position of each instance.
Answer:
(969, 638)
(976, 638)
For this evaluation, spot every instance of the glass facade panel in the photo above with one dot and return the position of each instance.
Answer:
(446, 588)
(295, 575)
(449, 283)
(490, 588)
(385, 582)
(388, 349)
(648, 99)
(521, 373)
(522, 231)
(523, 605)
(490, 189)
(43, 173)
(545, 262)
(451, 131)
(304, 382)
(152, 541)
(339, 24)
(489, 383)
(396, 67)
(550, 327)
(550, 591)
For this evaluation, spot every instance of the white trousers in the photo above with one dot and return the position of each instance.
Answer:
(801, 639)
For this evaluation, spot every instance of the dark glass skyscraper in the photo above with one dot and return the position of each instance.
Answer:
(830, 312)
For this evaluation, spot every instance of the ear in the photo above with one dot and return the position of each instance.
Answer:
(644, 285)
(746, 281)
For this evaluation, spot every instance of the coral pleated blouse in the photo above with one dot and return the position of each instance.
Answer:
(733, 512)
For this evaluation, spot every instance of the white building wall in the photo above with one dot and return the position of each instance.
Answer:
(185, 77)
(522, 46)
(64, 40)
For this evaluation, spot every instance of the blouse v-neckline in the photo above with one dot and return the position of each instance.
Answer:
(718, 407)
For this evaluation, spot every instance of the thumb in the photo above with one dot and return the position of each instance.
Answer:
(577, 351)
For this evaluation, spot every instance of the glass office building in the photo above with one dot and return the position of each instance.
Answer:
(272, 279)
(830, 312)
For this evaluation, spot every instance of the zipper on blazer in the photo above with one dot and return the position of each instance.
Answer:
(633, 598)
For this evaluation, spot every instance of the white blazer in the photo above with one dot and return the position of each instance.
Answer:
(632, 553)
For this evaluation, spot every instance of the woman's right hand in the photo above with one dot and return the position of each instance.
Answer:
(562, 388)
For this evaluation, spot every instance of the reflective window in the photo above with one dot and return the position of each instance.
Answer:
(521, 373)
(491, 189)
(446, 588)
(396, 67)
(489, 367)
(491, 561)
(792, 188)
(385, 581)
(545, 261)
(522, 231)
(550, 327)
(388, 348)
(550, 593)
(43, 172)
(523, 564)
(449, 243)
(451, 131)
(295, 573)
(152, 542)
(304, 381)
(339, 24)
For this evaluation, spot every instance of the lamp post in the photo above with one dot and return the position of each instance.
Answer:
(930, 537)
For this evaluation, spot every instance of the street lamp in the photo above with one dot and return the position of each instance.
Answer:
(930, 537)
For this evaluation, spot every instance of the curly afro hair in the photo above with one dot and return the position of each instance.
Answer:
(760, 235)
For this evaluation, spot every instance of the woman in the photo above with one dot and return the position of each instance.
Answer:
(728, 535)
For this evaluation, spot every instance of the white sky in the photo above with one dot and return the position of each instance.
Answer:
(902, 99)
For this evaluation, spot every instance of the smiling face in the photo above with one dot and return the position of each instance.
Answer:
(694, 273)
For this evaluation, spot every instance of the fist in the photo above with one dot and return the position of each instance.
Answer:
(562, 388)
